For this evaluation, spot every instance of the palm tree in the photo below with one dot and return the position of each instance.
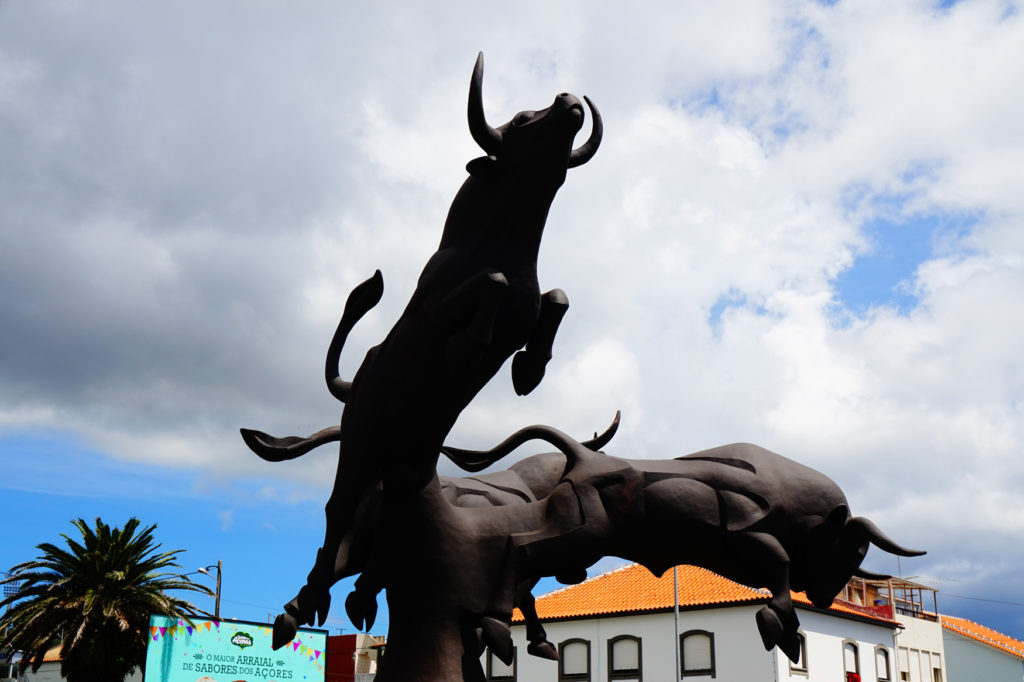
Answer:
(95, 599)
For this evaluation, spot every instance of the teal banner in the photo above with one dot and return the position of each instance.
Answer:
(230, 651)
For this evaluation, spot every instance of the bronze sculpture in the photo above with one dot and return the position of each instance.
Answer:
(476, 303)
(479, 544)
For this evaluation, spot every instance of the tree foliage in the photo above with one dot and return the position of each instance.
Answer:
(94, 598)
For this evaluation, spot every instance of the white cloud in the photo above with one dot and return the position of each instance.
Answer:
(182, 225)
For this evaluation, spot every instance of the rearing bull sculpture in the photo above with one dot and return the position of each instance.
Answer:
(476, 303)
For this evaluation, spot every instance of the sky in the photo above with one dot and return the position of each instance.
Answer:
(804, 229)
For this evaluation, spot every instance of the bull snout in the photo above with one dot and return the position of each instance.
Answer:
(568, 106)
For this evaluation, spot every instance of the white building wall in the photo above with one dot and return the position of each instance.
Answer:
(739, 653)
(921, 651)
(826, 636)
(971, 661)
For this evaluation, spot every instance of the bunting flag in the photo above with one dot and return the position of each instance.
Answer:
(208, 624)
(153, 630)
(163, 631)
(318, 654)
(302, 650)
(189, 628)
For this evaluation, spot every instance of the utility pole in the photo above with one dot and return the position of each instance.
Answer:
(220, 571)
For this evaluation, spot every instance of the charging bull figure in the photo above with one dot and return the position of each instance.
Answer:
(741, 511)
(477, 302)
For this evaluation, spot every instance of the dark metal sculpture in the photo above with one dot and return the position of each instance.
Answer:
(476, 303)
(739, 510)
(456, 555)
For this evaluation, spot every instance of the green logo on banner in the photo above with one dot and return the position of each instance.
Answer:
(242, 640)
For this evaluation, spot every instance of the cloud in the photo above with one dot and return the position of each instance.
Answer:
(227, 519)
(191, 191)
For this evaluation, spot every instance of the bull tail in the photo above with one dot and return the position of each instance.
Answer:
(365, 296)
(477, 460)
(280, 449)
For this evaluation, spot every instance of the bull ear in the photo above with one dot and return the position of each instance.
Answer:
(484, 167)
(837, 517)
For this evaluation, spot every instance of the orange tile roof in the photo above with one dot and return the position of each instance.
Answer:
(972, 630)
(633, 589)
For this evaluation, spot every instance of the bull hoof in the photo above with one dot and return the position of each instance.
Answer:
(527, 371)
(361, 608)
(498, 637)
(542, 649)
(770, 627)
(790, 645)
(285, 627)
(310, 603)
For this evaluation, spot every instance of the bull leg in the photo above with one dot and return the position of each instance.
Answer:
(483, 292)
(539, 644)
(528, 365)
(777, 622)
(314, 599)
(361, 603)
(495, 622)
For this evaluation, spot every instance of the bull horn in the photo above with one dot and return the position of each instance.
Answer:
(868, 575)
(583, 154)
(487, 137)
(867, 530)
(599, 441)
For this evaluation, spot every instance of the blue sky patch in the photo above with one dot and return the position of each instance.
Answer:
(884, 275)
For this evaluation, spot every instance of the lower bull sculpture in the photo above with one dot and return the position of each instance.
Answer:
(739, 510)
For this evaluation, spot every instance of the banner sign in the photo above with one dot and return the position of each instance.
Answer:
(230, 651)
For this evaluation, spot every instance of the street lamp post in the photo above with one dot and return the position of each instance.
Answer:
(206, 571)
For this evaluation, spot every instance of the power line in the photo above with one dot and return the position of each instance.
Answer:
(991, 601)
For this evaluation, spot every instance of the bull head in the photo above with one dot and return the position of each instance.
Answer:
(565, 107)
(835, 551)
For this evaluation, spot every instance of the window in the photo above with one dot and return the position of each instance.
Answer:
(625, 659)
(574, 660)
(903, 658)
(851, 661)
(697, 653)
(936, 668)
(800, 667)
(882, 664)
(498, 670)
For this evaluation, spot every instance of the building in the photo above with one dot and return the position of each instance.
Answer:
(620, 626)
(352, 658)
(918, 642)
(975, 653)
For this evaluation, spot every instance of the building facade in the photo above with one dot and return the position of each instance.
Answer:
(976, 653)
(621, 626)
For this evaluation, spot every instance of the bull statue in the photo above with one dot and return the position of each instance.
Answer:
(477, 302)
(739, 510)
